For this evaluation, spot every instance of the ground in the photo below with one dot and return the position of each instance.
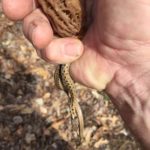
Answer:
(34, 114)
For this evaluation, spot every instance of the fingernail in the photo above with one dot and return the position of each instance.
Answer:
(73, 49)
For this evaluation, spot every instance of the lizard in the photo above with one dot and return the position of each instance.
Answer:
(64, 81)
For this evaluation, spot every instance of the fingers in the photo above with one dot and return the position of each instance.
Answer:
(17, 9)
(38, 30)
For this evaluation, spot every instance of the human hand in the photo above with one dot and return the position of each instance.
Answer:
(114, 54)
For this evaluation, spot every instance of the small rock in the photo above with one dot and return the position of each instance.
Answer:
(39, 101)
(1, 107)
(47, 95)
(29, 137)
(43, 110)
(54, 146)
(26, 110)
(19, 131)
(95, 94)
(29, 128)
(48, 120)
(46, 132)
(7, 76)
(17, 119)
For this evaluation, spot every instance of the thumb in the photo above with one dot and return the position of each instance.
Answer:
(91, 69)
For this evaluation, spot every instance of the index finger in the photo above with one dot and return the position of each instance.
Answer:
(18, 9)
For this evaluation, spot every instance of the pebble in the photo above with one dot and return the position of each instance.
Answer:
(1, 107)
(29, 137)
(46, 95)
(29, 128)
(43, 110)
(17, 119)
(54, 146)
(39, 101)
(7, 76)
(95, 94)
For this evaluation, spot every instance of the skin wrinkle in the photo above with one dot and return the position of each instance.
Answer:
(132, 43)
(98, 47)
(129, 112)
(140, 90)
(123, 20)
(147, 4)
(107, 47)
(108, 50)
(132, 94)
(110, 54)
(124, 92)
(128, 44)
(122, 102)
(147, 111)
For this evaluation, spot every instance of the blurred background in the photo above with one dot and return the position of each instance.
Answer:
(34, 114)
